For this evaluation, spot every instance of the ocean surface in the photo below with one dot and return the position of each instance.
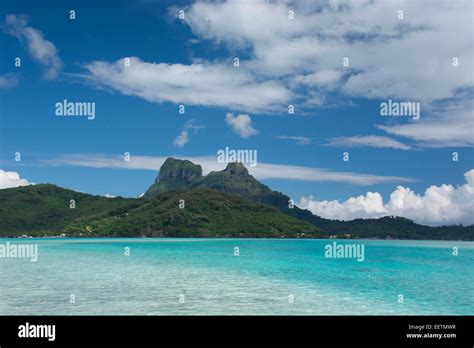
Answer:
(204, 277)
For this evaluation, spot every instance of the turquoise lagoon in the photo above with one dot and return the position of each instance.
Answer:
(204, 277)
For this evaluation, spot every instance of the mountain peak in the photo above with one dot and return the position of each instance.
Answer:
(179, 170)
(236, 168)
(175, 174)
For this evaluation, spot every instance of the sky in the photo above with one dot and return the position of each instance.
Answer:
(300, 83)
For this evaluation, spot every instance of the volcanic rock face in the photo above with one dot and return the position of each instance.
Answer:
(235, 178)
(236, 168)
(174, 175)
(178, 171)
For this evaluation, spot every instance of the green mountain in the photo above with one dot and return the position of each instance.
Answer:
(198, 212)
(237, 180)
(46, 209)
(184, 203)
(385, 227)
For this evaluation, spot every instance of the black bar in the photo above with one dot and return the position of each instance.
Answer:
(240, 330)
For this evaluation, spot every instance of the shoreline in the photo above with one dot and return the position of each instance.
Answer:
(239, 238)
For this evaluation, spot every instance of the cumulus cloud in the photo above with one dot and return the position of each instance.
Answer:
(40, 49)
(438, 205)
(370, 205)
(11, 179)
(205, 84)
(367, 141)
(241, 125)
(8, 81)
(321, 78)
(298, 139)
(300, 59)
(369, 33)
(410, 58)
(183, 137)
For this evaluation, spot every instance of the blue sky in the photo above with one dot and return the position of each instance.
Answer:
(283, 61)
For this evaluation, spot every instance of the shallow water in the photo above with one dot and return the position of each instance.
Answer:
(203, 277)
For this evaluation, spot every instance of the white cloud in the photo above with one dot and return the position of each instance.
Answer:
(368, 32)
(298, 139)
(408, 59)
(452, 124)
(300, 60)
(194, 125)
(108, 195)
(439, 205)
(370, 205)
(40, 49)
(183, 137)
(8, 81)
(291, 172)
(11, 179)
(209, 163)
(367, 141)
(241, 125)
(206, 84)
(320, 78)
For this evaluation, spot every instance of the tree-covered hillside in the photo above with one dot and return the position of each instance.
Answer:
(184, 203)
